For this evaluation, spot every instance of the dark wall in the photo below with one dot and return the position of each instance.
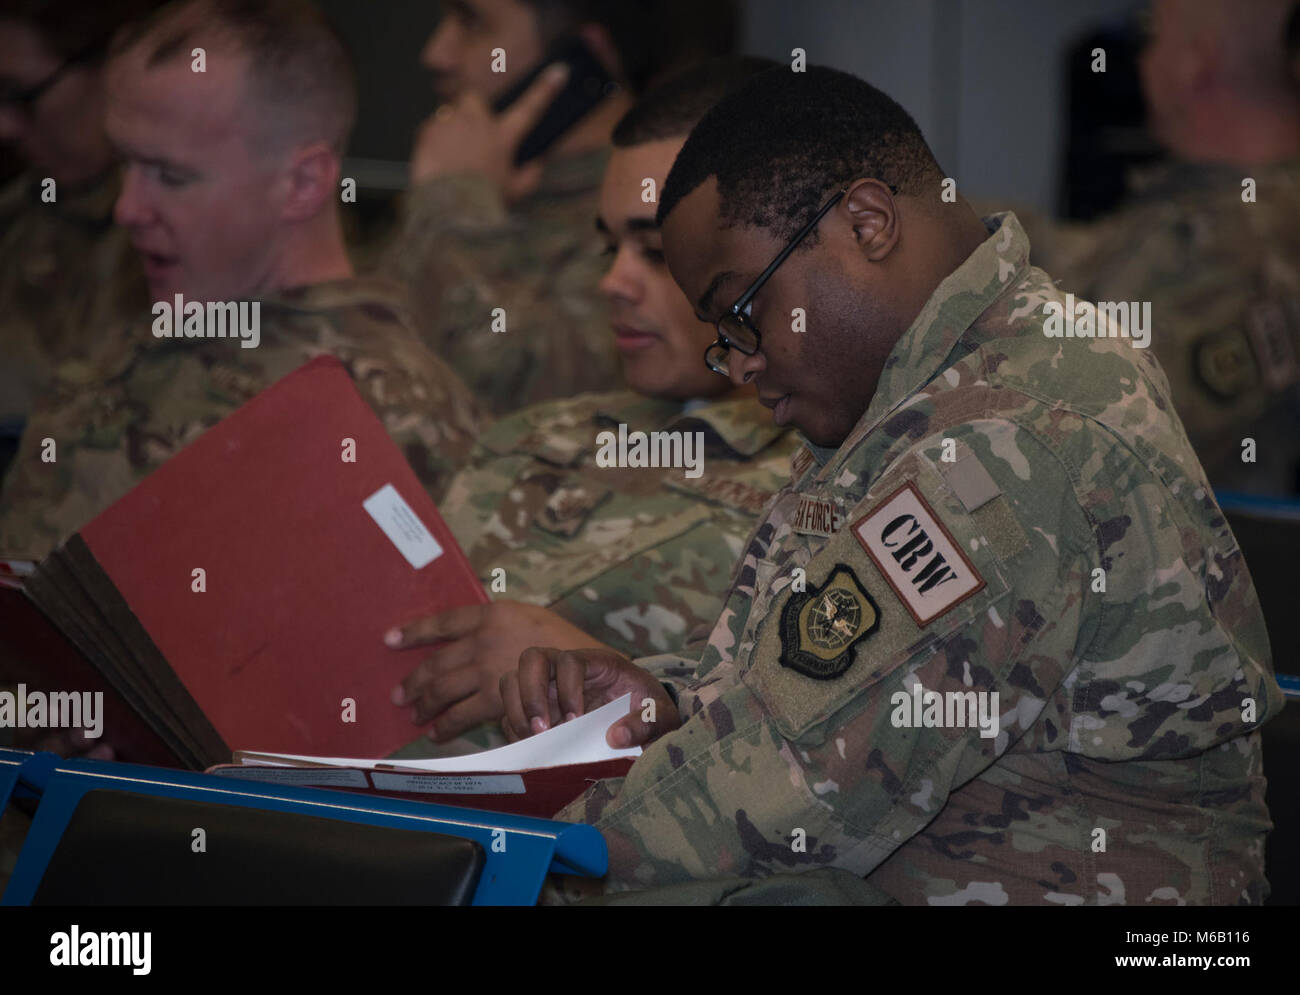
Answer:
(386, 37)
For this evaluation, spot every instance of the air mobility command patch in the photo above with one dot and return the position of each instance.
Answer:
(820, 628)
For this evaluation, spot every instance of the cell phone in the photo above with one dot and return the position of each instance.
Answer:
(588, 84)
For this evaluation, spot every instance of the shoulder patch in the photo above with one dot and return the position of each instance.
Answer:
(1224, 365)
(916, 555)
(820, 628)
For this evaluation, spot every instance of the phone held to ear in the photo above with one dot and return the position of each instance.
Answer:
(588, 84)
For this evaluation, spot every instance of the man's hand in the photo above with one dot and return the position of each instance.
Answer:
(458, 686)
(554, 685)
(464, 136)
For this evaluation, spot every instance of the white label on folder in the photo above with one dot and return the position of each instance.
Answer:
(392, 514)
(303, 776)
(492, 784)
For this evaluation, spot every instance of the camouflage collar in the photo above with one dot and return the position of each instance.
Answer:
(1169, 179)
(364, 291)
(742, 424)
(954, 307)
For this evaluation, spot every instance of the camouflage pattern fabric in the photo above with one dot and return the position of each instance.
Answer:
(1087, 577)
(637, 557)
(1223, 279)
(136, 400)
(464, 256)
(66, 273)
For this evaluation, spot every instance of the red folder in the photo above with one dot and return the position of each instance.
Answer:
(283, 644)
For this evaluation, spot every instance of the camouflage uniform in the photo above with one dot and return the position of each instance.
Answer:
(137, 399)
(1088, 578)
(637, 557)
(65, 273)
(1223, 279)
(463, 256)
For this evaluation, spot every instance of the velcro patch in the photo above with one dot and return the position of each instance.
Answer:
(819, 629)
(1270, 335)
(916, 555)
(816, 517)
(799, 462)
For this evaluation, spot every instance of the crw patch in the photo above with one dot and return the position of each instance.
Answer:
(917, 555)
(820, 628)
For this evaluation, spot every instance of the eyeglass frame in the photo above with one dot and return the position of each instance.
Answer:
(25, 98)
(737, 310)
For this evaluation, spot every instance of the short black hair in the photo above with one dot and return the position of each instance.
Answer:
(673, 107)
(781, 142)
(653, 37)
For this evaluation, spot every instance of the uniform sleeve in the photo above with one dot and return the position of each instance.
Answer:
(509, 301)
(930, 630)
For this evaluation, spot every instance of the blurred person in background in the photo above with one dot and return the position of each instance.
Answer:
(501, 257)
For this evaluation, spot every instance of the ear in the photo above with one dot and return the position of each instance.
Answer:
(873, 215)
(602, 46)
(313, 177)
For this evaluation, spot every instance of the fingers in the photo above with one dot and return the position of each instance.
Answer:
(465, 715)
(536, 667)
(570, 679)
(513, 722)
(432, 671)
(454, 623)
(447, 690)
(631, 731)
(523, 115)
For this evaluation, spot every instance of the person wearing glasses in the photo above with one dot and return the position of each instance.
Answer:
(64, 269)
(576, 553)
(1024, 663)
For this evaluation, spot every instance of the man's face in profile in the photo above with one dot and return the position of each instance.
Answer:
(198, 197)
(459, 52)
(660, 340)
(813, 378)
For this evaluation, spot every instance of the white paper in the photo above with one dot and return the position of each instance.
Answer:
(578, 741)
(400, 523)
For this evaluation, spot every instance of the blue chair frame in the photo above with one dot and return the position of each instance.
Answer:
(525, 849)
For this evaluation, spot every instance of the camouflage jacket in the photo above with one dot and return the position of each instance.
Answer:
(1222, 274)
(464, 256)
(66, 274)
(1013, 514)
(137, 399)
(637, 557)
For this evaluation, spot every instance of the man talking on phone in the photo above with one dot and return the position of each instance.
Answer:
(496, 240)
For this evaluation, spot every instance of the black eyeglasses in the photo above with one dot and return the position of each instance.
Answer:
(25, 97)
(735, 330)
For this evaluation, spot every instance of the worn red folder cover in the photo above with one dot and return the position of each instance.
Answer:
(278, 640)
